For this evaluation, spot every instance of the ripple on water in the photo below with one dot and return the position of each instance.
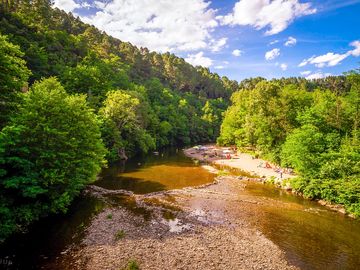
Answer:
(312, 236)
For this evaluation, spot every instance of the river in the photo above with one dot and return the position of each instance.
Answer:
(312, 236)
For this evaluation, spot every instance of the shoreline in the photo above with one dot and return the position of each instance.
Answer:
(206, 230)
(257, 167)
(246, 163)
(201, 227)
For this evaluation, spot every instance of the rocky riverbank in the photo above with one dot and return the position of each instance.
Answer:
(191, 228)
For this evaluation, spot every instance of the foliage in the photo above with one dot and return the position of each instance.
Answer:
(119, 235)
(13, 76)
(48, 152)
(313, 130)
(132, 265)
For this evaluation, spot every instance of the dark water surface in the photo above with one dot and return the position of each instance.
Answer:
(312, 236)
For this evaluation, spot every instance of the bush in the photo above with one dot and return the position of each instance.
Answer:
(48, 152)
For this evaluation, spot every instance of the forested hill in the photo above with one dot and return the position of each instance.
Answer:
(73, 97)
(54, 40)
(86, 60)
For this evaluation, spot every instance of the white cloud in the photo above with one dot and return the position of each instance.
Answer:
(283, 66)
(305, 73)
(332, 59)
(217, 45)
(274, 42)
(159, 25)
(99, 4)
(317, 75)
(275, 15)
(237, 52)
(355, 52)
(291, 41)
(270, 55)
(86, 5)
(219, 67)
(199, 60)
(67, 5)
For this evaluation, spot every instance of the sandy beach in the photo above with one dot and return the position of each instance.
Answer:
(245, 162)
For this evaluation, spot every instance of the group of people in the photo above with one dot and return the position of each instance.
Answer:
(277, 169)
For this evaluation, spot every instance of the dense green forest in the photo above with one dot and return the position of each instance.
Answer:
(74, 98)
(312, 127)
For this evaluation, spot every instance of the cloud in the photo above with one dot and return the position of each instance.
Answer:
(283, 66)
(217, 45)
(356, 51)
(219, 67)
(159, 25)
(199, 60)
(305, 73)
(317, 75)
(86, 5)
(332, 59)
(237, 52)
(67, 5)
(270, 55)
(291, 41)
(274, 42)
(275, 15)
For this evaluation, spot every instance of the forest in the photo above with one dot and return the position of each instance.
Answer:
(74, 99)
(314, 130)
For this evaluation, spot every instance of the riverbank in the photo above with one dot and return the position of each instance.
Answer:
(229, 223)
(218, 156)
(255, 167)
(190, 228)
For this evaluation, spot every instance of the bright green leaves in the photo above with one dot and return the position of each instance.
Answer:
(49, 151)
(123, 124)
(13, 76)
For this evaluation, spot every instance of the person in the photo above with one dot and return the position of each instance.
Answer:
(281, 173)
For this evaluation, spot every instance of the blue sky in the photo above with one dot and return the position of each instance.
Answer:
(238, 39)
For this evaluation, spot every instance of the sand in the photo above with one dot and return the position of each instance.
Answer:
(242, 161)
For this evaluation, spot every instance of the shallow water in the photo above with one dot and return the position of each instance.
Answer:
(54, 236)
(312, 236)
(171, 169)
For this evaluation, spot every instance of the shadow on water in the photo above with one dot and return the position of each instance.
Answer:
(312, 236)
(49, 237)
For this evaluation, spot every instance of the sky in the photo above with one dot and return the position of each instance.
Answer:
(237, 38)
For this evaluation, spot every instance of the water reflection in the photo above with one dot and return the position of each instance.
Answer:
(312, 236)
(50, 237)
(170, 169)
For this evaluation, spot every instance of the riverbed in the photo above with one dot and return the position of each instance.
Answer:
(164, 220)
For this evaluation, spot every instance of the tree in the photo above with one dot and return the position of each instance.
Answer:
(13, 76)
(122, 129)
(49, 151)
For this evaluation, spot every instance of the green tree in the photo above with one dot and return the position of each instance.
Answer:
(48, 152)
(13, 76)
(123, 125)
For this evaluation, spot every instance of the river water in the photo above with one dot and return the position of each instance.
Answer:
(312, 236)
